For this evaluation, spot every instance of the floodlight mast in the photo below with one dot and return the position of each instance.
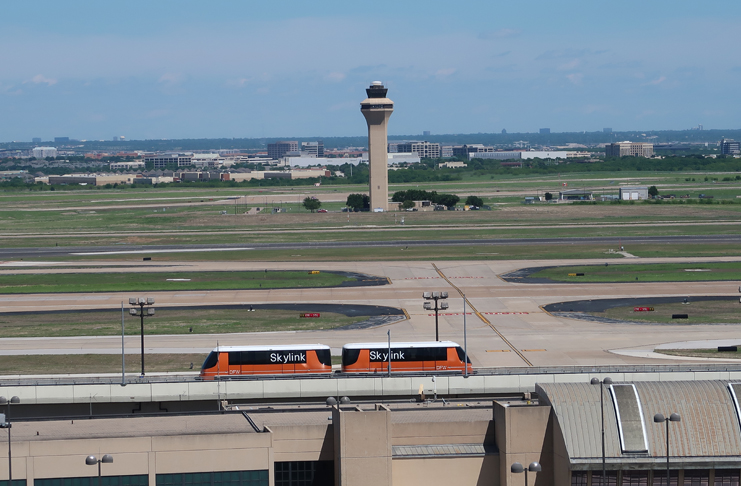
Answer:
(141, 302)
(436, 296)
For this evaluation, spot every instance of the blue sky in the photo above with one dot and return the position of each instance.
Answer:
(187, 69)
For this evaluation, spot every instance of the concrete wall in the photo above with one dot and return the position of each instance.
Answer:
(458, 471)
(523, 436)
(362, 447)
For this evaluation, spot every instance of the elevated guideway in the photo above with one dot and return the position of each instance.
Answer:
(488, 382)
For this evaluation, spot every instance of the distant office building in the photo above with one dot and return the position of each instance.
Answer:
(545, 131)
(537, 154)
(61, 139)
(607, 130)
(161, 161)
(446, 151)
(120, 138)
(423, 149)
(312, 149)
(474, 148)
(36, 140)
(495, 155)
(279, 149)
(44, 152)
(135, 164)
(426, 133)
(504, 131)
(629, 149)
(730, 147)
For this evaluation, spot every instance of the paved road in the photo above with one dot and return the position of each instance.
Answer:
(56, 251)
(518, 331)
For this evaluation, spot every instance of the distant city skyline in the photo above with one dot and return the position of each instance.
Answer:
(186, 69)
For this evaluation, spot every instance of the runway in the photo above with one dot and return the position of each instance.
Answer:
(505, 323)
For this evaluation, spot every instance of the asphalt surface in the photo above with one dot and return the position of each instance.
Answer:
(509, 326)
(41, 252)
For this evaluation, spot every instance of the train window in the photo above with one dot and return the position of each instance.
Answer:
(237, 358)
(211, 360)
(350, 356)
(324, 356)
(409, 354)
(461, 354)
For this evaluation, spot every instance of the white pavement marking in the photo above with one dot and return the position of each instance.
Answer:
(179, 250)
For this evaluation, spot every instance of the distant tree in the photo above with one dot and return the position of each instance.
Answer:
(312, 203)
(653, 191)
(408, 204)
(474, 201)
(548, 196)
(447, 200)
(358, 202)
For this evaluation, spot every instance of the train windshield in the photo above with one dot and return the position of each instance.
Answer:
(324, 356)
(350, 356)
(211, 360)
(461, 354)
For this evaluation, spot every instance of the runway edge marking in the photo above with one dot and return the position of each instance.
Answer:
(484, 319)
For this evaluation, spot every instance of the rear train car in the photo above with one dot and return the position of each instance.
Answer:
(232, 361)
(410, 357)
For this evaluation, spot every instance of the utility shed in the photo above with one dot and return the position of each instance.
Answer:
(633, 193)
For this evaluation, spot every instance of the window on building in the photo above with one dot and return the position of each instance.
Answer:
(723, 477)
(659, 478)
(696, 477)
(635, 478)
(611, 479)
(137, 480)
(578, 478)
(304, 473)
(222, 478)
(16, 482)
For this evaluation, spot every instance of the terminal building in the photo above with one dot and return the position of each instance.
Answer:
(423, 442)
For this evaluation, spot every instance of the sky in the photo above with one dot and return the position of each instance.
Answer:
(148, 69)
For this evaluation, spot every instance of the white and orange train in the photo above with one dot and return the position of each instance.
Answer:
(233, 361)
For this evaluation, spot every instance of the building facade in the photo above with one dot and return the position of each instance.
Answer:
(312, 149)
(44, 152)
(629, 149)
(161, 161)
(730, 147)
(279, 149)
(423, 149)
(562, 427)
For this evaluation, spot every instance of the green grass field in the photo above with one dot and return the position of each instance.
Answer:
(161, 281)
(699, 312)
(650, 272)
(165, 321)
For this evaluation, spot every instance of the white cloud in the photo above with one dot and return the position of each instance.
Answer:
(575, 78)
(445, 72)
(238, 83)
(656, 81)
(335, 77)
(40, 79)
(569, 65)
(171, 78)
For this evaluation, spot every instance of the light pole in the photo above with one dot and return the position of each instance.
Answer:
(602, 383)
(141, 302)
(658, 418)
(92, 460)
(6, 425)
(436, 296)
(517, 468)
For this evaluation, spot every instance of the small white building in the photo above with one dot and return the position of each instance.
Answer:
(633, 193)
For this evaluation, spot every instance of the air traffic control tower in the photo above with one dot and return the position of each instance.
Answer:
(377, 109)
